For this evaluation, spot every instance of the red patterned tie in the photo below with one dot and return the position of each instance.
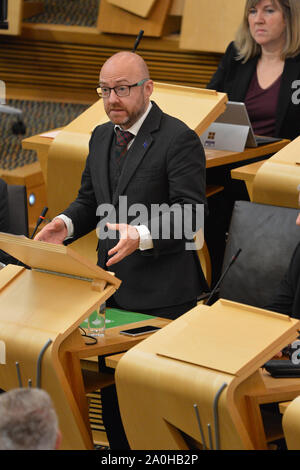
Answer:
(123, 139)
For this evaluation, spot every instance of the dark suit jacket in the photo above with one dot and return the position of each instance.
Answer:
(287, 296)
(233, 77)
(165, 164)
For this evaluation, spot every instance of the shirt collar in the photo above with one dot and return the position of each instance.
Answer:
(134, 129)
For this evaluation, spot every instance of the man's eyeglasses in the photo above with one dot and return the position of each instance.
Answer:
(120, 90)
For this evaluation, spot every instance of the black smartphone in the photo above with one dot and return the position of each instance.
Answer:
(141, 330)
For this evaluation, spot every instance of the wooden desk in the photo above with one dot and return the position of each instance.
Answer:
(41, 146)
(247, 173)
(213, 157)
(223, 157)
(265, 427)
(277, 391)
(112, 345)
(283, 406)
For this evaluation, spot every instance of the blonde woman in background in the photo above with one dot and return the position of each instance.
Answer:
(262, 67)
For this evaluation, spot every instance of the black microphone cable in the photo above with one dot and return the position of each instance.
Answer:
(233, 259)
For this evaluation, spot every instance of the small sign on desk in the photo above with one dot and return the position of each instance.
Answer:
(221, 136)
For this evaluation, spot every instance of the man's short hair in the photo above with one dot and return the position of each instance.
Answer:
(28, 420)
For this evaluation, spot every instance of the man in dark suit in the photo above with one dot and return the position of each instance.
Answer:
(164, 163)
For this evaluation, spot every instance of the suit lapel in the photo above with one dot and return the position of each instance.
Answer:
(139, 148)
(102, 166)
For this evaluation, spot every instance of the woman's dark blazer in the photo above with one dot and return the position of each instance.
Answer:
(233, 77)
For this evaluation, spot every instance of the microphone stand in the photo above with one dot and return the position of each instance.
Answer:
(39, 221)
(138, 40)
(233, 259)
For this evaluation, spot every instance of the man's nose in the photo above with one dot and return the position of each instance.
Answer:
(113, 97)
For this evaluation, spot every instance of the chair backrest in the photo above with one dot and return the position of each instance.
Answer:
(18, 211)
(267, 236)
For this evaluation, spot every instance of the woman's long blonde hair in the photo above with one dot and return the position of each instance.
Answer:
(246, 45)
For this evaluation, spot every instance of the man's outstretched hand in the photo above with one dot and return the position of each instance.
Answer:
(54, 232)
(128, 243)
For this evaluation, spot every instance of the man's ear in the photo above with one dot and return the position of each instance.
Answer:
(148, 88)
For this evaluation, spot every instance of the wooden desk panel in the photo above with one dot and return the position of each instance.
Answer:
(247, 173)
(224, 157)
(213, 157)
(279, 391)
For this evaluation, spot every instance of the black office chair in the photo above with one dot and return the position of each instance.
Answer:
(17, 218)
(267, 236)
(18, 211)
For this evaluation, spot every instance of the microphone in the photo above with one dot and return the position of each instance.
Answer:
(138, 40)
(39, 221)
(233, 259)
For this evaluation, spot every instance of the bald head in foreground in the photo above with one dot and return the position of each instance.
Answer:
(28, 420)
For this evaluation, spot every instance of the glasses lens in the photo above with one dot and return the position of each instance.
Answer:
(105, 92)
(122, 90)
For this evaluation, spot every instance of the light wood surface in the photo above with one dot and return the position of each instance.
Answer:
(290, 423)
(41, 306)
(275, 390)
(76, 54)
(213, 157)
(113, 361)
(210, 26)
(273, 181)
(14, 18)
(54, 258)
(247, 174)
(135, 6)
(112, 19)
(177, 7)
(224, 157)
(200, 352)
(283, 406)
(277, 180)
(143, 8)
